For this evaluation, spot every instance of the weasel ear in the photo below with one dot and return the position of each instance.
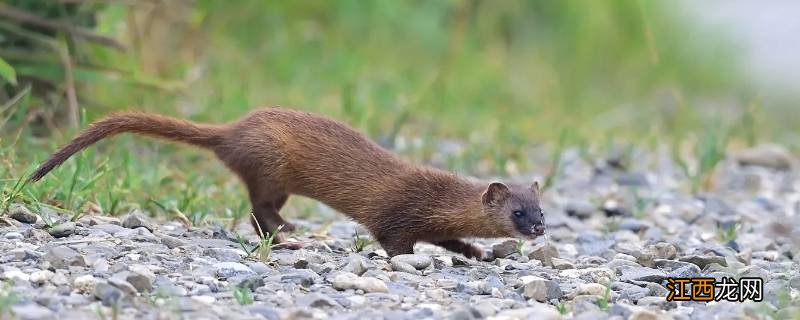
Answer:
(495, 193)
(535, 188)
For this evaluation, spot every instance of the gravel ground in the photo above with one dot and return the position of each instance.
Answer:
(614, 237)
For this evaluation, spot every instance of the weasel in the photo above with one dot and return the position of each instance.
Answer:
(279, 152)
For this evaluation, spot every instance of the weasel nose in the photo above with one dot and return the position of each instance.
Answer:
(539, 229)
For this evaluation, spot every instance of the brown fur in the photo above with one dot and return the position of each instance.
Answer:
(280, 152)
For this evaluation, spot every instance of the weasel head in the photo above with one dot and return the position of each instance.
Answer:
(515, 209)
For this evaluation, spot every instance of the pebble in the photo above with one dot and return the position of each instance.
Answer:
(84, 283)
(542, 290)
(347, 280)
(544, 252)
(703, 260)
(504, 249)
(22, 214)
(231, 269)
(137, 219)
(61, 230)
(62, 257)
(417, 261)
(642, 274)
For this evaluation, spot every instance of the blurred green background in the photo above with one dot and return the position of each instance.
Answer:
(494, 76)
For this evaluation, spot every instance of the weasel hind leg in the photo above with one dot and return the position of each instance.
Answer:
(459, 246)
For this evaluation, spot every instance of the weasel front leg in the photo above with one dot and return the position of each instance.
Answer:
(396, 246)
(459, 246)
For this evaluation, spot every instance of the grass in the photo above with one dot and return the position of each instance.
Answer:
(726, 235)
(519, 247)
(360, 243)
(562, 309)
(7, 299)
(708, 152)
(243, 295)
(603, 301)
(267, 238)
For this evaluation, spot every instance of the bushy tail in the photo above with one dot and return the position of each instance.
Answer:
(154, 125)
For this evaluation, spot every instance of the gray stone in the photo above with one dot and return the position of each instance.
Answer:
(266, 312)
(642, 274)
(703, 260)
(22, 214)
(316, 300)
(231, 269)
(767, 155)
(689, 271)
(171, 242)
(418, 261)
(542, 290)
(225, 254)
(581, 209)
(561, 264)
(504, 249)
(661, 250)
(544, 252)
(13, 235)
(107, 293)
(32, 311)
(137, 219)
(346, 280)
(356, 264)
(62, 230)
(591, 289)
(62, 257)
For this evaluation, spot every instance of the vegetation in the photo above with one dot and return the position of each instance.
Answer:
(497, 78)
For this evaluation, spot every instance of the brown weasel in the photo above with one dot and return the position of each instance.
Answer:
(280, 152)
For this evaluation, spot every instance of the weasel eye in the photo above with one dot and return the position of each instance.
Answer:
(519, 213)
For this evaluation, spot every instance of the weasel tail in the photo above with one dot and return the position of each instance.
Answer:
(202, 135)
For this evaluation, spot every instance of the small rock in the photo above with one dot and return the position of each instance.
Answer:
(403, 267)
(41, 276)
(643, 315)
(768, 155)
(661, 250)
(591, 289)
(207, 300)
(657, 290)
(84, 284)
(542, 290)
(118, 281)
(136, 219)
(504, 249)
(231, 269)
(685, 272)
(141, 278)
(316, 300)
(539, 312)
(459, 261)
(107, 293)
(15, 274)
(544, 252)
(38, 235)
(348, 280)
(172, 242)
(437, 294)
(22, 214)
(12, 235)
(642, 274)
(62, 230)
(225, 254)
(581, 209)
(561, 264)
(356, 264)
(704, 260)
(32, 311)
(63, 257)
(418, 261)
